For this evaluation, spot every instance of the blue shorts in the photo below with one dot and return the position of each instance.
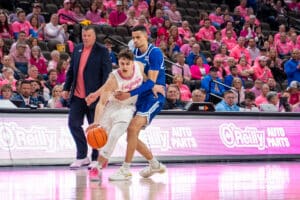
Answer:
(149, 106)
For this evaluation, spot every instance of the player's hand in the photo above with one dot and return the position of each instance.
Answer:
(121, 95)
(91, 126)
(158, 89)
(65, 94)
(91, 98)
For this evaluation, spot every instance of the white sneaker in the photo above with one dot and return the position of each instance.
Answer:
(121, 175)
(149, 170)
(95, 174)
(79, 163)
(93, 164)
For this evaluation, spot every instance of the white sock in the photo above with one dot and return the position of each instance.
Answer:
(126, 165)
(154, 163)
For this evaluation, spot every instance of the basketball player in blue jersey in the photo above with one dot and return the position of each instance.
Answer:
(148, 105)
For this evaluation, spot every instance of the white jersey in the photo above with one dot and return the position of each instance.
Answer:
(128, 84)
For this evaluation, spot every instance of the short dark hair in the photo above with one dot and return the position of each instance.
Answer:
(25, 82)
(250, 95)
(139, 28)
(228, 92)
(52, 70)
(126, 53)
(89, 27)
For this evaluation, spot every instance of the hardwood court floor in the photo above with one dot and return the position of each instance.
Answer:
(253, 181)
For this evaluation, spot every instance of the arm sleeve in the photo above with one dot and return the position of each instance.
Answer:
(148, 85)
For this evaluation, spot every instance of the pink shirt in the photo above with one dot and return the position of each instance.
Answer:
(206, 33)
(197, 74)
(175, 17)
(80, 87)
(185, 93)
(262, 73)
(223, 33)
(155, 21)
(224, 59)
(94, 17)
(116, 18)
(25, 26)
(176, 70)
(216, 18)
(243, 10)
(64, 20)
(237, 52)
(260, 100)
(40, 63)
(284, 48)
(186, 49)
(229, 42)
(186, 33)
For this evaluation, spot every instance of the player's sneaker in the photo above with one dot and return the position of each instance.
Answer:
(93, 164)
(121, 175)
(79, 163)
(150, 170)
(95, 174)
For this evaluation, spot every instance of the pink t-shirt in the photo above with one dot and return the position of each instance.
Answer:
(223, 33)
(198, 73)
(260, 100)
(262, 73)
(18, 26)
(284, 48)
(237, 52)
(216, 18)
(206, 33)
(64, 20)
(185, 93)
(229, 42)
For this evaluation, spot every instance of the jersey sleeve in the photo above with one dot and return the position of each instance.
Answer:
(156, 59)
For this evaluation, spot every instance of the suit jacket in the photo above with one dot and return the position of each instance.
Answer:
(96, 72)
(18, 97)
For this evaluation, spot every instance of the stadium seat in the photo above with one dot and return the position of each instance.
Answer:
(182, 4)
(52, 44)
(192, 12)
(43, 45)
(122, 31)
(108, 30)
(51, 8)
(47, 55)
(194, 4)
(100, 38)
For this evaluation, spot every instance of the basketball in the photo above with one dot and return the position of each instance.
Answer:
(96, 137)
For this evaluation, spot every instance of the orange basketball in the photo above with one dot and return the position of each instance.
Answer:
(96, 137)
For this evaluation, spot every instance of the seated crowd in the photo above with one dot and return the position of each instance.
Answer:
(228, 59)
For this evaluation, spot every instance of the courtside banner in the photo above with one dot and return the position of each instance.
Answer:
(37, 138)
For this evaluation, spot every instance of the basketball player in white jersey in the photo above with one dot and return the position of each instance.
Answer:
(112, 114)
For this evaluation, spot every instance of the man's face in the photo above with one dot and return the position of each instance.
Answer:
(126, 67)
(229, 99)
(198, 97)
(21, 37)
(34, 86)
(139, 38)
(172, 93)
(26, 90)
(88, 38)
(53, 76)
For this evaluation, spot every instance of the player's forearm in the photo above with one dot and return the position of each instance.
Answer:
(147, 85)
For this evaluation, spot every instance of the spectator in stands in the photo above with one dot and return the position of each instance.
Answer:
(273, 85)
(227, 104)
(185, 92)
(238, 90)
(173, 99)
(292, 67)
(165, 4)
(272, 103)
(78, 15)
(228, 27)
(229, 40)
(293, 89)
(61, 68)
(104, 18)
(199, 69)
(281, 29)
(37, 93)
(242, 8)
(294, 5)
(185, 32)
(216, 17)
(65, 14)
(228, 79)
(256, 89)
(25, 95)
(118, 17)
(108, 44)
(6, 92)
(262, 98)
(173, 14)
(294, 42)
(131, 20)
(187, 48)
(190, 60)
(173, 32)
(222, 71)
(54, 31)
(252, 18)
(206, 33)
(260, 37)
(8, 78)
(20, 58)
(22, 39)
(216, 43)
(245, 70)
(93, 14)
(8, 62)
(36, 11)
(5, 27)
(37, 28)
(139, 6)
(142, 20)
(262, 71)
(38, 60)
(13, 17)
(180, 68)
(210, 86)
(152, 8)
(198, 95)
(248, 105)
(52, 80)
(56, 100)
(21, 25)
(253, 50)
(239, 50)
(110, 5)
(172, 47)
(55, 57)
(283, 47)
(3, 50)
(33, 73)
(223, 55)
(157, 21)
(238, 21)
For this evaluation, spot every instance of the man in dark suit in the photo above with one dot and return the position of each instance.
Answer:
(89, 68)
(24, 99)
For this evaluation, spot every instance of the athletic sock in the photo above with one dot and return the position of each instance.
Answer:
(154, 163)
(126, 166)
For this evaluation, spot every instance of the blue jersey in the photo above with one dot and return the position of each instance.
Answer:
(152, 59)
